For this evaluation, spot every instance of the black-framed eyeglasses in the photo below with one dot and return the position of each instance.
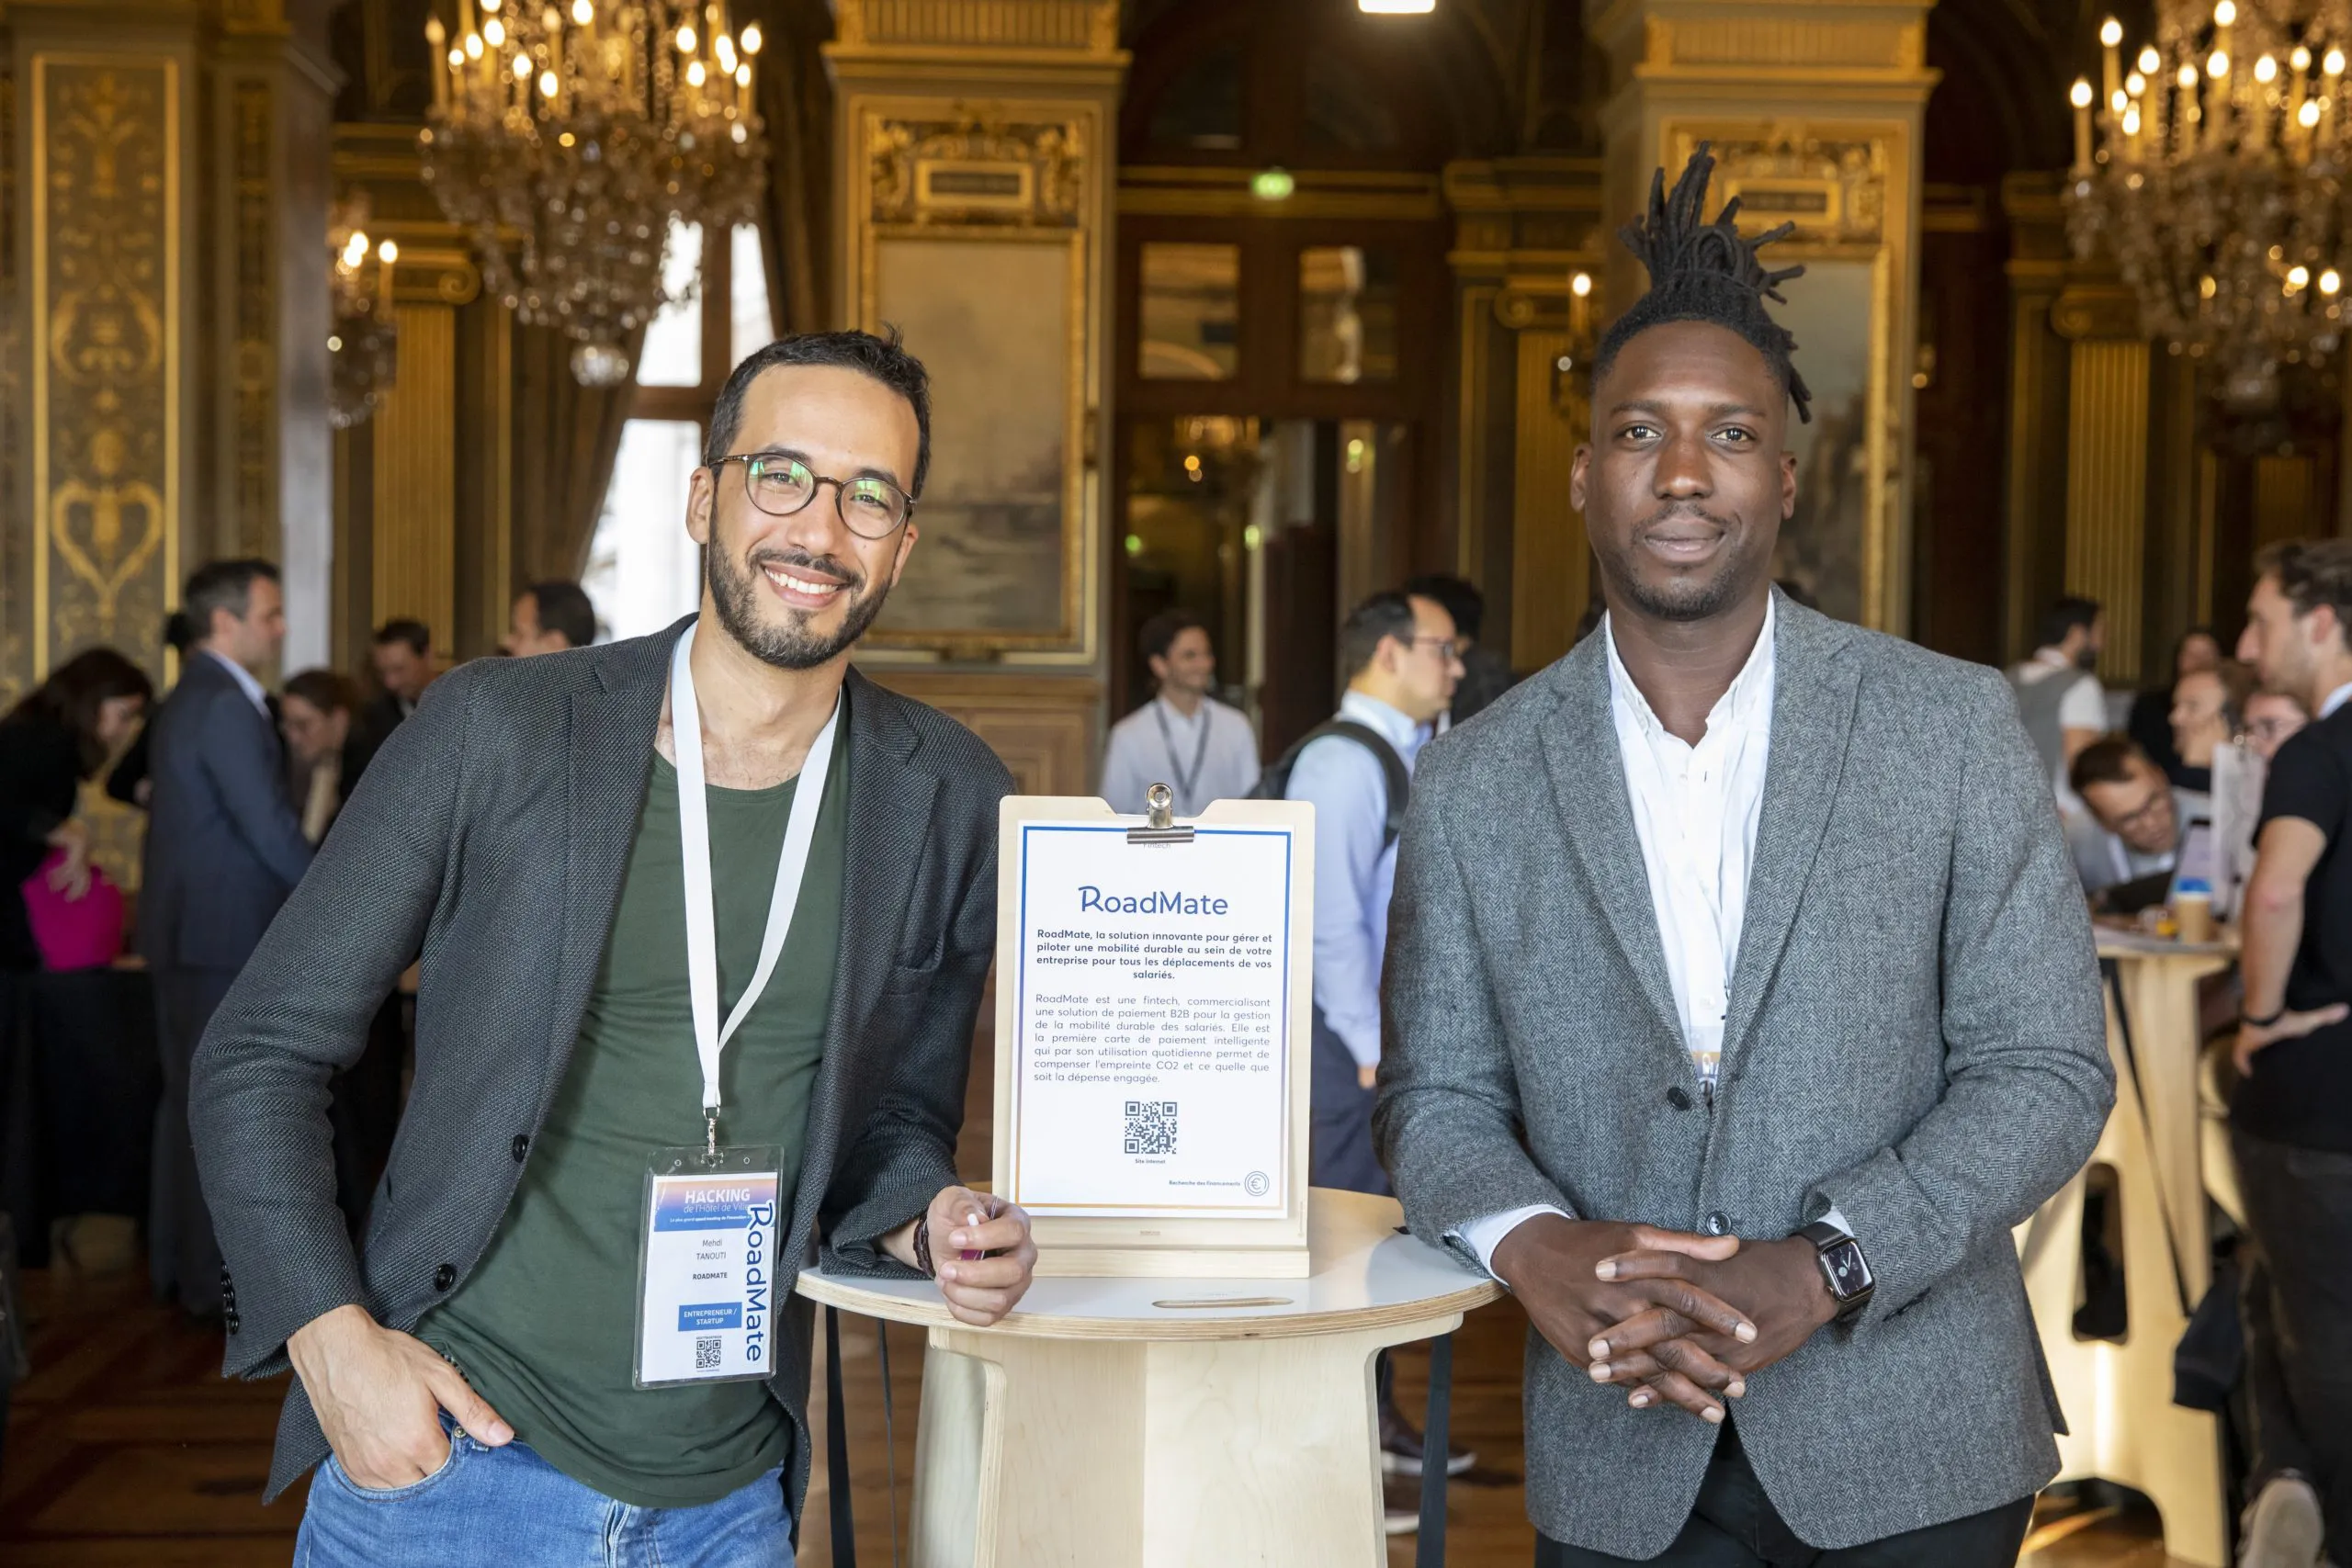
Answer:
(779, 485)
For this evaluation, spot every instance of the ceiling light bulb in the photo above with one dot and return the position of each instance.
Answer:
(724, 47)
(493, 32)
(752, 37)
(2308, 116)
(2131, 120)
(2334, 64)
(687, 38)
(2119, 102)
(2217, 66)
(743, 79)
(2265, 69)
(2150, 60)
(2298, 277)
(2081, 96)
(2186, 78)
(2330, 281)
(583, 11)
(1580, 285)
(492, 8)
(2135, 84)
(388, 253)
(522, 68)
(473, 46)
(548, 84)
(2110, 32)
(2226, 14)
(2302, 58)
(695, 75)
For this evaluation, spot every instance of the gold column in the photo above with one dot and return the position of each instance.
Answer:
(1523, 228)
(975, 151)
(416, 474)
(1815, 119)
(2107, 466)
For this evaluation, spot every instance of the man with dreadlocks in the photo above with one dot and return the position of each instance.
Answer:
(1740, 1000)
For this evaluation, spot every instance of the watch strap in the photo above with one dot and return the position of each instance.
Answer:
(923, 1248)
(2251, 1021)
(1823, 1236)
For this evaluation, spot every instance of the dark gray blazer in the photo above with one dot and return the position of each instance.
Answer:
(1915, 1035)
(224, 842)
(490, 834)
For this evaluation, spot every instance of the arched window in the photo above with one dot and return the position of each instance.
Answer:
(643, 570)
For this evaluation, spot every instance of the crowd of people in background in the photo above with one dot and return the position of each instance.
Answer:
(239, 784)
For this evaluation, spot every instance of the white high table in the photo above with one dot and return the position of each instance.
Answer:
(1168, 1423)
(2118, 1396)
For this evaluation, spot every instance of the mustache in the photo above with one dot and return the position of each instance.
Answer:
(1684, 512)
(831, 567)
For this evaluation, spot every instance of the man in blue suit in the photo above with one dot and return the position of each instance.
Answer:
(224, 848)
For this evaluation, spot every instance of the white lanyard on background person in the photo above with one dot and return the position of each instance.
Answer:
(694, 836)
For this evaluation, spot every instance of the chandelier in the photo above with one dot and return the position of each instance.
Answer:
(363, 346)
(574, 134)
(2216, 182)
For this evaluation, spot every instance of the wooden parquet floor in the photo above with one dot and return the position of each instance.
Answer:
(128, 1449)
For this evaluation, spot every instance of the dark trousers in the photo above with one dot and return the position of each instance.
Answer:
(182, 1259)
(1338, 1144)
(1734, 1525)
(2299, 1336)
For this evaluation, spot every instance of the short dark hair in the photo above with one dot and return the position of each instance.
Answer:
(2313, 572)
(883, 358)
(1706, 272)
(1460, 598)
(2108, 760)
(2064, 615)
(416, 633)
(222, 585)
(1159, 633)
(563, 607)
(75, 689)
(324, 690)
(1372, 623)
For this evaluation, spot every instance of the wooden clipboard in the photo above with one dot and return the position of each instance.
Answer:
(1247, 1238)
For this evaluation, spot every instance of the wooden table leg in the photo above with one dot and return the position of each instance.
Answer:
(1078, 1453)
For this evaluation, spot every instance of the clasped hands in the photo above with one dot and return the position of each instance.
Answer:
(1675, 1318)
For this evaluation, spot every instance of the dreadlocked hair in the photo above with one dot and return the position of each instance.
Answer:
(1706, 272)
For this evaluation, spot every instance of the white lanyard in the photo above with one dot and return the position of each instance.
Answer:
(693, 842)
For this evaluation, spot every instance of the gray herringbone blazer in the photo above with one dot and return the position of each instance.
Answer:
(1915, 1035)
(489, 835)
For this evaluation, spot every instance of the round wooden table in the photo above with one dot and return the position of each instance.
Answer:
(1122, 1423)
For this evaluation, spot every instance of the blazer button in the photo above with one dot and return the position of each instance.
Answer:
(445, 1276)
(1718, 1223)
(231, 1320)
(1677, 1098)
(521, 1146)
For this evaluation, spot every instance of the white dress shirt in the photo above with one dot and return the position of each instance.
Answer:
(1355, 871)
(1208, 755)
(246, 682)
(1695, 811)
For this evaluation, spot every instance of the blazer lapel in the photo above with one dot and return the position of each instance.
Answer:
(609, 740)
(1589, 786)
(890, 813)
(1813, 713)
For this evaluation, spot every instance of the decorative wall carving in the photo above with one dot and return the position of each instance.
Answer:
(254, 365)
(1808, 43)
(978, 168)
(1087, 27)
(1832, 187)
(106, 247)
(16, 534)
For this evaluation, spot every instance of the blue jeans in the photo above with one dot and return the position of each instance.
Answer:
(509, 1508)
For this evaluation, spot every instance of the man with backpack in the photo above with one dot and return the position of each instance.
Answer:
(1400, 650)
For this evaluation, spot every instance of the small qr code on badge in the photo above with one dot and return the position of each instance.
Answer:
(706, 1353)
(1151, 1127)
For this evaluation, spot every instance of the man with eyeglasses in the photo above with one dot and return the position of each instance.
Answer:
(1402, 663)
(705, 919)
(2135, 817)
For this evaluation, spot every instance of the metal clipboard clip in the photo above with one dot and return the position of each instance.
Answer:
(1160, 819)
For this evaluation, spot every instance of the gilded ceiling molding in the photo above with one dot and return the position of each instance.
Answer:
(1087, 28)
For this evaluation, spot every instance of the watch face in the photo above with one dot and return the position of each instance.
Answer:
(1847, 1273)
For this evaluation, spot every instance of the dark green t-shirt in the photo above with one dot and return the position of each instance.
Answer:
(544, 1326)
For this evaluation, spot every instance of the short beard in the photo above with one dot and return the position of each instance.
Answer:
(1682, 598)
(792, 646)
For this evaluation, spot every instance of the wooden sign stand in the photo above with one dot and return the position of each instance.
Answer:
(1160, 1239)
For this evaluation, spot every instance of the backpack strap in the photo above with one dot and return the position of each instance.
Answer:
(1392, 767)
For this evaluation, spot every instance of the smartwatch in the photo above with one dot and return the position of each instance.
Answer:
(1843, 1267)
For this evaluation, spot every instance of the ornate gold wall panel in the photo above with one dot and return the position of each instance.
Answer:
(105, 332)
(1551, 583)
(252, 359)
(2107, 489)
(415, 512)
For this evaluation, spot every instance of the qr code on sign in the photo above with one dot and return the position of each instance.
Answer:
(706, 1352)
(1151, 1127)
